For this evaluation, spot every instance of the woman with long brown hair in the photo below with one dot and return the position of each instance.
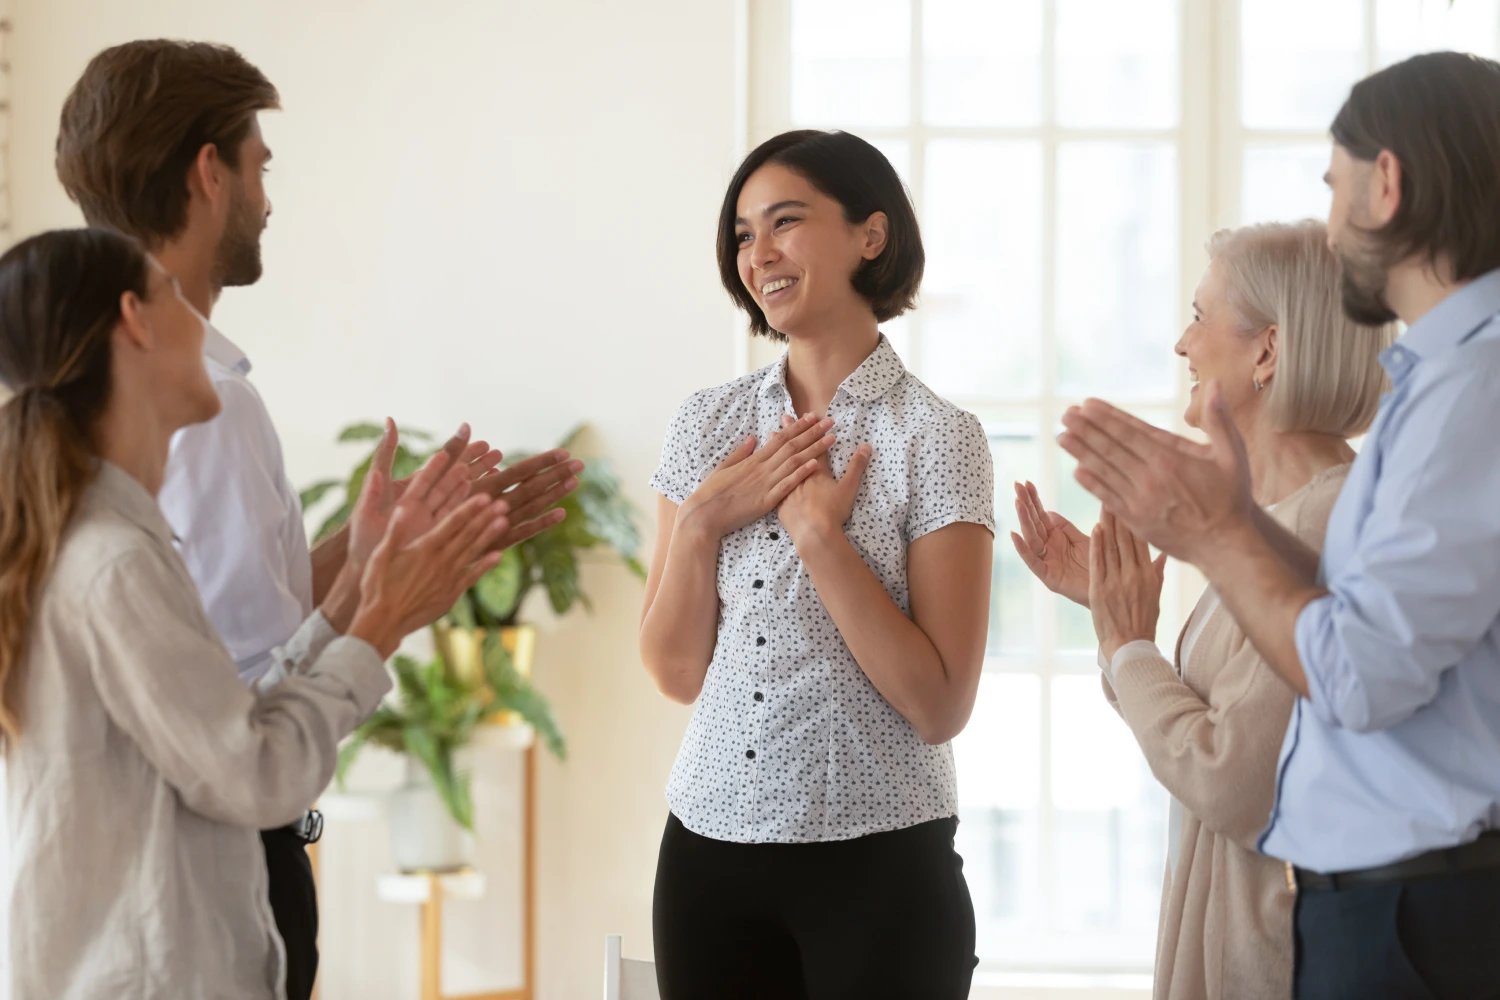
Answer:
(139, 768)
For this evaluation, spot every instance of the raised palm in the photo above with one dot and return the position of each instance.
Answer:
(380, 494)
(1051, 546)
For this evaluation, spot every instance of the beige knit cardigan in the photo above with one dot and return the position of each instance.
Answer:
(1212, 736)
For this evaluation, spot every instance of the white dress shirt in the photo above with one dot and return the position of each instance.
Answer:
(237, 518)
(145, 768)
(790, 742)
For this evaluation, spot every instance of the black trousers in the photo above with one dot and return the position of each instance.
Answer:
(294, 903)
(883, 916)
(1424, 939)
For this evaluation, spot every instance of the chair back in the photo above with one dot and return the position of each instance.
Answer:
(627, 978)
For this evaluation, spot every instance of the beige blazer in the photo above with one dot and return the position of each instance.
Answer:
(1212, 735)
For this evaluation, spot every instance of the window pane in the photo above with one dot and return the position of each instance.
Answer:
(1117, 294)
(1110, 815)
(1284, 183)
(982, 62)
(850, 61)
(981, 298)
(1298, 60)
(999, 765)
(1405, 27)
(1117, 63)
(1012, 588)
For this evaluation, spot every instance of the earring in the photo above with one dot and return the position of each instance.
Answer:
(1259, 385)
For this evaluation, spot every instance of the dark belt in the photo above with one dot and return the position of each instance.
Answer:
(1473, 856)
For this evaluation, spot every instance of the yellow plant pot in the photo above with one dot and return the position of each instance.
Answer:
(462, 649)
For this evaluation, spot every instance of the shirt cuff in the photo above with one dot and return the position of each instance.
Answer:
(357, 662)
(1140, 649)
(300, 650)
(1311, 622)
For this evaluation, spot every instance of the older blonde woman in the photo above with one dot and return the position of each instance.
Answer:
(1299, 379)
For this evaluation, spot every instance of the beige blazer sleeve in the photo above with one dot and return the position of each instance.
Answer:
(1217, 754)
(1217, 757)
(170, 685)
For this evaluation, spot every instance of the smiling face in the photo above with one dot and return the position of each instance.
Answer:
(1216, 347)
(797, 253)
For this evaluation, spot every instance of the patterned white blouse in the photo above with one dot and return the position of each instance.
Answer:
(790, 742)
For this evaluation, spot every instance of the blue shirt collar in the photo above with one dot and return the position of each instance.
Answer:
(1446, 325)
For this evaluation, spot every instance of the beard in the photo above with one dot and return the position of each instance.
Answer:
(1362, 284)
(237, 258)
(1363, 274)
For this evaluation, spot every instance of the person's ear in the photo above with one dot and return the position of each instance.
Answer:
(134, 327)
(1265, 364)
(877, 233)
(1384, 188)
(208, 177)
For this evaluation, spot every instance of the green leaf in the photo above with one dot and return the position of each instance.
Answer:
(453, 788)
(347, 755)
(461, 615)
(317, 491)
(409, 681)
(499, 590)
(335, 521)
(405, 462)
(361, 432)
(514, 693)
(560, 576)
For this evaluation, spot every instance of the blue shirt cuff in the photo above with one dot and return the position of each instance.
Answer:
(1311, 622)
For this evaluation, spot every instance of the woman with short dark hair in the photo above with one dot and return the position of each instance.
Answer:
(138, 768)
(820, 587)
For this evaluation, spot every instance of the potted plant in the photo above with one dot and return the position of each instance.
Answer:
(482, 668)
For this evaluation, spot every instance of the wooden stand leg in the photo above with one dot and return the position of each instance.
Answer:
(432, 941)
(528, 931)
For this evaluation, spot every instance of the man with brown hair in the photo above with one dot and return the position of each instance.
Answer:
(1387, 805)
(161, 140)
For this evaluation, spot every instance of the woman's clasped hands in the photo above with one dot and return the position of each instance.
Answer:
(788, 474)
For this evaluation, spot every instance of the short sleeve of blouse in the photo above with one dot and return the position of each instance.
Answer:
(676, 477)
(953, 478)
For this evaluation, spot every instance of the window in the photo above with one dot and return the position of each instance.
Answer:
(1068, 159)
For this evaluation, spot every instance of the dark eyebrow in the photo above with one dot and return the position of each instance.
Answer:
(772, 210)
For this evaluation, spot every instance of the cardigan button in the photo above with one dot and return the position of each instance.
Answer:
(758, 584)
(750, 754)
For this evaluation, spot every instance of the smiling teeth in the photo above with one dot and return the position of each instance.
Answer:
(777, 286)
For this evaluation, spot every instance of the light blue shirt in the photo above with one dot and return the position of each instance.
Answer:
(1397, 751)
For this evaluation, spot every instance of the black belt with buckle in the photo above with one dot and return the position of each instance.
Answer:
(1473, 856)
(309, 828)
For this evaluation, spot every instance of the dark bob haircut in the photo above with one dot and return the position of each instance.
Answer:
(1439, 115)
(857, 176)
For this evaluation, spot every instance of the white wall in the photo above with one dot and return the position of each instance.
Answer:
(492, 210)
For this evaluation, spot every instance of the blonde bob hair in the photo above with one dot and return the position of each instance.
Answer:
(1328, 377)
